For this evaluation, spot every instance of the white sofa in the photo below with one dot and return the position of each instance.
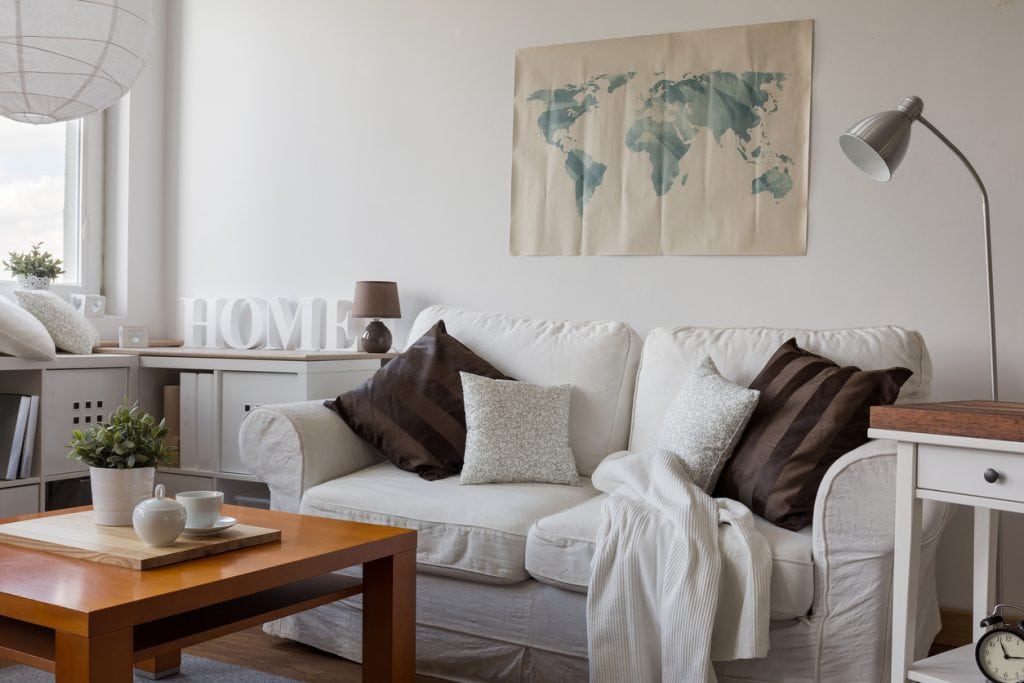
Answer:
(503, 568)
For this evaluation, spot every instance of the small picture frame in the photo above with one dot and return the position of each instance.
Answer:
(90, 305)
(132, 337)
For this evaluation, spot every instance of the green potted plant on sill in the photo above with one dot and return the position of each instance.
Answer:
(122, 455)
(34, 269)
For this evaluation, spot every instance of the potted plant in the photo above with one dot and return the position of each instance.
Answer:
(34, 269)
(122, 455)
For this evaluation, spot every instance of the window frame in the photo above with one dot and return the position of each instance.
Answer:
(83, 242)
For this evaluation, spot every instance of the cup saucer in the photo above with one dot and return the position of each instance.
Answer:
(218, 526)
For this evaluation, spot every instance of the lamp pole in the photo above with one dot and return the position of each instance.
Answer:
(988, 251)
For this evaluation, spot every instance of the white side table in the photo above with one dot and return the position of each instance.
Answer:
(968, 453)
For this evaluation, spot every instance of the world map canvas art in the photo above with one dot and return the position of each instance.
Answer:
(681, 143)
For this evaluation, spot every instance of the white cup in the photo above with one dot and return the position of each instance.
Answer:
(201, 507)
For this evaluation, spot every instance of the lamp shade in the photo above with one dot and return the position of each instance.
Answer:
(63, 59)
(876, 145)
(376, 299)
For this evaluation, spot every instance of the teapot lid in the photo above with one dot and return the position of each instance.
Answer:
(159, 502)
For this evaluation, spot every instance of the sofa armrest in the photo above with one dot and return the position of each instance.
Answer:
(295, 446)
(853, 541)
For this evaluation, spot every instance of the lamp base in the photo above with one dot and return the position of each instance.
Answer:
(376, 338)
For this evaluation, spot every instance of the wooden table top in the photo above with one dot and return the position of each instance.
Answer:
(85, 597)
(997, 420)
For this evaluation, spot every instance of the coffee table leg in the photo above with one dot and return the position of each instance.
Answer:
(160, 666)
(106, 657)
(389, 618)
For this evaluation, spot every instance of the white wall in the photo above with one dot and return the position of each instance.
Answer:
(315, 143)
(133, 235)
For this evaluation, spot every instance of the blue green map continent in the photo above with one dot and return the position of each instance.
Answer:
(668, 117)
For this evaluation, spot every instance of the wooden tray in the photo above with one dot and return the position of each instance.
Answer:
(75, 535)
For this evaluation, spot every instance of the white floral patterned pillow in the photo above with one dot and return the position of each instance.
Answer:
(516, 433)
(705, 422)
(70, 330)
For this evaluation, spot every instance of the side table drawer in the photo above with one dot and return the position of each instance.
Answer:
(962, 470)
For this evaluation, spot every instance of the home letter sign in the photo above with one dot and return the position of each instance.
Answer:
(310, 324)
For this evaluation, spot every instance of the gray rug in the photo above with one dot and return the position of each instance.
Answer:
(192, 669)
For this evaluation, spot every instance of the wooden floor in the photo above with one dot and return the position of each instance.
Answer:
(254, 649)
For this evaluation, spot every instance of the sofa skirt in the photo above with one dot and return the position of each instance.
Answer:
(527, 631)
(534, 632)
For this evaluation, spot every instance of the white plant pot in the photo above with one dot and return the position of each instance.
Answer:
(115, 493)
(33, 282)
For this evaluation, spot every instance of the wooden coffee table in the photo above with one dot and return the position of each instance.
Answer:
(86, 621)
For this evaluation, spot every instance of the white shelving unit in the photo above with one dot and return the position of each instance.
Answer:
(240, 381)
(78, 391)
(74, 392)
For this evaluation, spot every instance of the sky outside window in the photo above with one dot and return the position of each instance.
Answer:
(32, 173)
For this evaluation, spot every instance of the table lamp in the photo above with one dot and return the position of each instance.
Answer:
(376, 299)
(876, 146)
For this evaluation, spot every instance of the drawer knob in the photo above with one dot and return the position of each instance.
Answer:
(991, 476)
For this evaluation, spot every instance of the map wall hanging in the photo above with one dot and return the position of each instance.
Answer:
(681, 143)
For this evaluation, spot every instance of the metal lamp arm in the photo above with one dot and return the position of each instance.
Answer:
(988, 250)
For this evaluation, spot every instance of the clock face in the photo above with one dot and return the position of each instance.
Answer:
(1000, 655)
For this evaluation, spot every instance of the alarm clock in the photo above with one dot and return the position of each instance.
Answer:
(1000, 649)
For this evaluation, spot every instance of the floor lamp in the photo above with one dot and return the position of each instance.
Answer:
(876, 145)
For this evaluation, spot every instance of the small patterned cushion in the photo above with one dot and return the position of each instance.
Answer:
(70, 330)
(516, 433)
(705, 421)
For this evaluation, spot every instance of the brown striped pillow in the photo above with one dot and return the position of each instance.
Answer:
(811, 412)
(412, 408)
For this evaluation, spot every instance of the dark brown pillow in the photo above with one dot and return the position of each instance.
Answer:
(810, 413)
(412, 408)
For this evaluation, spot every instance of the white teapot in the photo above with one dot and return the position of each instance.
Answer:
(159, 521)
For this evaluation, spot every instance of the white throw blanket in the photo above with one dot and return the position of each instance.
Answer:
(678, 579)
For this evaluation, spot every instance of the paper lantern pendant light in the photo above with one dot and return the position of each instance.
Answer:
(63, 59)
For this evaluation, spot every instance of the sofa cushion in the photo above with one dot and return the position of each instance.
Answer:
(669, 354)
(475, 532)
(599, 360)
(705, 422)
(810, 414)
(516, 433)
(412, 408)
(560, 548)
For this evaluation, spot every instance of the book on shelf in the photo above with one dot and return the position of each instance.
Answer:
(187, 420)
(172, 419)
(15, 412)
(199, 416)
(25, 469)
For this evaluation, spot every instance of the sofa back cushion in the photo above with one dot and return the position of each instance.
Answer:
(669, 354)
(599, 360)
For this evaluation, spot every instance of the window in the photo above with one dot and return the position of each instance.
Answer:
(51, 192)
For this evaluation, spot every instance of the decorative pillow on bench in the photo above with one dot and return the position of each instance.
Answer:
(412, 409)
(517, 433)
(810, 413)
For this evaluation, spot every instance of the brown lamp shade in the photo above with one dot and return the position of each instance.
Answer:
(376, 299)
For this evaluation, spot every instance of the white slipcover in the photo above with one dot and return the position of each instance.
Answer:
(476, 532)
(560, 547)
(599, 360)
(669, 354)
